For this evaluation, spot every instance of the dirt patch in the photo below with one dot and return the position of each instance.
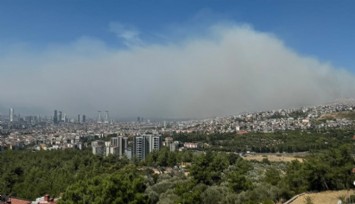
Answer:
(340, 115)
(326, 197)
(272, 157)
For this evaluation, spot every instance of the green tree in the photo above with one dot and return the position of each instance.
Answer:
(272, 176)
(125, 186)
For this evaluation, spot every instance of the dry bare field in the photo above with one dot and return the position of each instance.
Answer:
(326, 197)
(273, 157)
(339, 115)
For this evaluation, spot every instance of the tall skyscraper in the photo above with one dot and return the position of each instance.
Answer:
(55, 117)
(84, 119)
(11, 115)
(99, 120)
(79, 118)
(60, 119)
(107, 117)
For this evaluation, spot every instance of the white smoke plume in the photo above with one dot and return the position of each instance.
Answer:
(231, 69)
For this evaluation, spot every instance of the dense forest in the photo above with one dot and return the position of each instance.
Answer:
(212, 176)
(282, 141)
(28, 174)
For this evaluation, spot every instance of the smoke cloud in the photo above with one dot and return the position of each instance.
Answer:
(231, 69)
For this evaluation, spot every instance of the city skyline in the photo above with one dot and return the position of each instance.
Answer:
(213, 59)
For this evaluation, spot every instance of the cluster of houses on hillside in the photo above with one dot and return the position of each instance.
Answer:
(47, 136)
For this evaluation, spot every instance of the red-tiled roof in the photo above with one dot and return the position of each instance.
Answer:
(19, 201)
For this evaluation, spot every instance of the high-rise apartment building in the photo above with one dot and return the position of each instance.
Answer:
(144, 144)
(121, 143)
(98, 147)
(116, 146)
(155, 142)
(140, 147)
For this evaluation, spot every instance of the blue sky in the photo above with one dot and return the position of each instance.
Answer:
(318, 28)
(165, 58)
